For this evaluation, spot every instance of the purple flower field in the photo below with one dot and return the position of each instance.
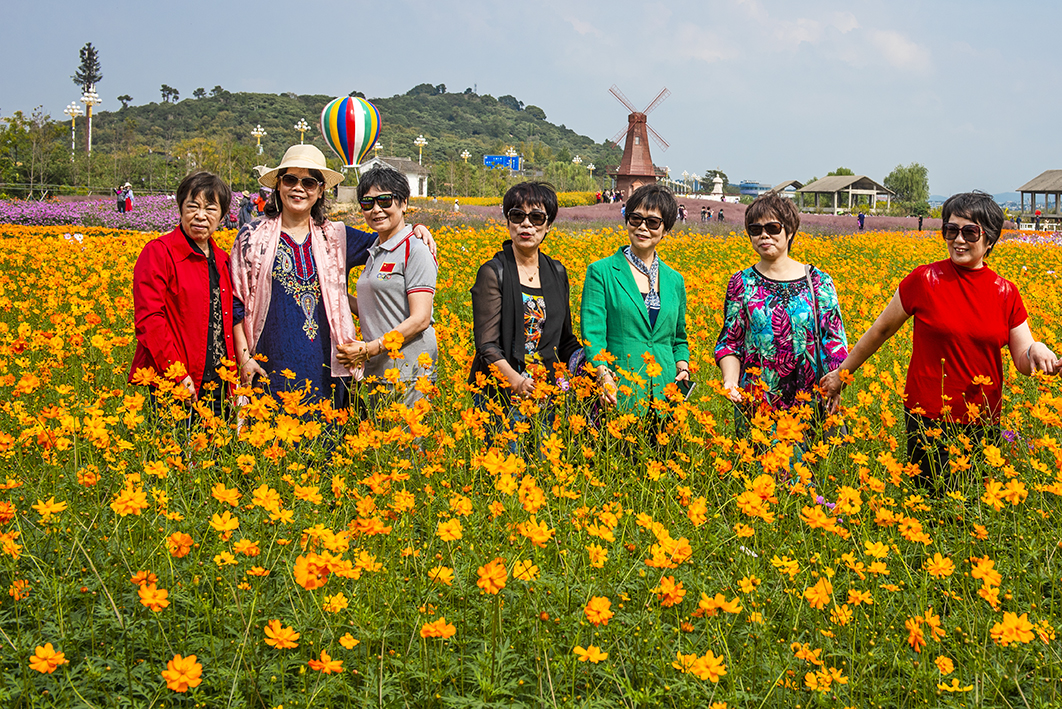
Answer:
(150, 213)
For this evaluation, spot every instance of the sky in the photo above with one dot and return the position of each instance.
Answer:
(763, 90)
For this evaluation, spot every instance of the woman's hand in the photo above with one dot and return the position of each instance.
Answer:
(421, 232)
(353, 354)
(521, 386)
(248, 371)
(188, 386)
(832, 385)
(1042, 359)
(608, 386)
(733, 392)
(682, 371)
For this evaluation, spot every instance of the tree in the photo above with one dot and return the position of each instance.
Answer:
(217, 91)
(535, 112)
(512, 102)
(839, 172)
(710, 175)
(88, 73)
(910, 183)
(199, 93)
(169, 94)
(440, 89)
(125, 99)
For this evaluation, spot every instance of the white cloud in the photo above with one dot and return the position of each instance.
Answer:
(899, 51)
(582, 26)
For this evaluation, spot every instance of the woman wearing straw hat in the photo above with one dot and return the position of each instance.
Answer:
(289, 272)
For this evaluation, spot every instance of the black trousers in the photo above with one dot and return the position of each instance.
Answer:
(930, 453)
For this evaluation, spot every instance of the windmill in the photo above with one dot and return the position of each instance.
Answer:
(636, 168)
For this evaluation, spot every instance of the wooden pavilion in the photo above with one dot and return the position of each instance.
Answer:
(1048, 183)
(831, 187)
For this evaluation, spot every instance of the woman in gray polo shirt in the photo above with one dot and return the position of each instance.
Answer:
(396, 290)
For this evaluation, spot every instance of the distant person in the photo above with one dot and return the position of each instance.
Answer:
(919, 222)
(720, 214)
(1036, 221)
(598, 197)
(709, 214)
(964, 315)
(248, 211)
(862, 218)
(127, 195)
(682, 213)
(703, 210)
(457, 206)
(119, 199)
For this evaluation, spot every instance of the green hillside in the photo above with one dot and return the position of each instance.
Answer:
(155, 144)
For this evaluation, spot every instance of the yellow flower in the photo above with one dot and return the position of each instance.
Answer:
(154, 598)
(335, 603)
(280, 637)
(492, 576)
(590, 654)
(49, 508)
(945, 665)
(939, 566)
(525, 570)
(442, 574)
(349, 641)
(598, 610)
(46, 660)
(819, 594)
(450, 530)
(181, 673)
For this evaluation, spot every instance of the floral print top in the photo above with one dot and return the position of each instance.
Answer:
(768, 325)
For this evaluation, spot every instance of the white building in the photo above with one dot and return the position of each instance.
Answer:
(415, 173)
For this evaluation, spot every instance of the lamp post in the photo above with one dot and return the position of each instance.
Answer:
(465, 155)
(73, 110)
(590, 167)
(420, 143)
(376, 148)
(302, 126)
(90, 98)
(577, 160)
(685, 177)
(259, 133)
(511, 153)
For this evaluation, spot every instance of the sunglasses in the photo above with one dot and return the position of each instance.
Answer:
(772, 229)
(970, 233)
(635, 220)
(517, 216)
(308, 183)
(384, 200)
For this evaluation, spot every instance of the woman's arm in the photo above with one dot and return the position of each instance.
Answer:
(1029, 355)
(244, 357)
(594, 323)
(151, 278)
(888, 324)
(486, 328)
(731, 367)
(680, 346)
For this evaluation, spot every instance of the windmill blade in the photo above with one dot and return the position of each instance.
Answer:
(622, 99)
(656, 136)
(660, 98)
(621, 134)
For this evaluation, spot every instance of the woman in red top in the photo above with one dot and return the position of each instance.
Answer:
(964, 314)
(182, 295)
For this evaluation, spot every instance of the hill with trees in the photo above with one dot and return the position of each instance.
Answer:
(153, 145)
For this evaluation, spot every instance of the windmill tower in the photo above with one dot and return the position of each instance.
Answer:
(636, 168)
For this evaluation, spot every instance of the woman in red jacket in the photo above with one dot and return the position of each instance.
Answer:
(182, 296)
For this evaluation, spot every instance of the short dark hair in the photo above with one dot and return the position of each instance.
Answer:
(207, 184)
(654, 196)
(771, 204)
(979, 207)
(387, 179)
(318, 212)
(527, 194)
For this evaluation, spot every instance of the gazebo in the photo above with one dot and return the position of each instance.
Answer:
(1048, 183)
(788, 188)
(850, 184)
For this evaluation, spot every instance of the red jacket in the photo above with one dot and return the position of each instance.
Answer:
(171, 305)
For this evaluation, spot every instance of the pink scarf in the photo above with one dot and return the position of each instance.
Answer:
(252, 258)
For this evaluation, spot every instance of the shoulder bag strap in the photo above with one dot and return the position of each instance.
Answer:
(815, 319)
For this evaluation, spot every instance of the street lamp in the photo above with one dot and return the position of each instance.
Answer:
(376, 149)
(420, 143)
(302, 126)
(90, 98)
(465, 155)
(577, 160)
(73, 110)
(590, 167)
(259, 133)
(685, 176)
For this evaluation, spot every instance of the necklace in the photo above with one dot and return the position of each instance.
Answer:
(528, 276)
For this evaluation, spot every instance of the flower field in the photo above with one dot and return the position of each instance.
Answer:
(307, 559)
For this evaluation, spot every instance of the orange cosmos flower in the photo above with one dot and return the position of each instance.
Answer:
(49, 508)
(19, 589)
(590, 654)
(142, 577)
(46, 660)
(1013, 628)
(525, 570)
(712, 606)
(819, 594)
(598, 610)
(130, 501)
(349, 641)
(915, 637)
(450, 530)
(442, 574)
(492, 576)
(311, 571)
(182, 673)
(438, 629)
(153, 598)
(669, 592)
(246, 547)
(280, 637)
(225, 495)
(939, 566)
(179, 544)
(944, 664)
(708, 667)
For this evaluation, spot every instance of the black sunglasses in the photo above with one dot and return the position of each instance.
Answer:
(308, 183)
(384, 200)
(517, 216)
(971, 233)
(772, 228)
(635, 220)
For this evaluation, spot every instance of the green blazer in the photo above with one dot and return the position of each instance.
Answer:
(614, 319)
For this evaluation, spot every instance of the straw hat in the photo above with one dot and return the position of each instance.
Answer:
(304, 156)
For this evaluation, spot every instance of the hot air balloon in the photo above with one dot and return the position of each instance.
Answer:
(350, 126)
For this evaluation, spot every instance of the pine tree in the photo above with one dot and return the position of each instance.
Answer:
(88, 74)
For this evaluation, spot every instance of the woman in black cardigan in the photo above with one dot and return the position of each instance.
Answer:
(520, 305)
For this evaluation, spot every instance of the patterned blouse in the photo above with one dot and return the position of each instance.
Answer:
(768, 324)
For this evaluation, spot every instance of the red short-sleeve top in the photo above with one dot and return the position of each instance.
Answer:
(963, 318)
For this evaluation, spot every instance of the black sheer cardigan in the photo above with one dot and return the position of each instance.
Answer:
(498, 314)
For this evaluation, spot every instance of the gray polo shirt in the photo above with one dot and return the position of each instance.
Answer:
(396, 268)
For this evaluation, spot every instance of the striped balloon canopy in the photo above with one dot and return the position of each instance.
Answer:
(350, 125)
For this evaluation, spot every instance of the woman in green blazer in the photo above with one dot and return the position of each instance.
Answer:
(634, 305)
